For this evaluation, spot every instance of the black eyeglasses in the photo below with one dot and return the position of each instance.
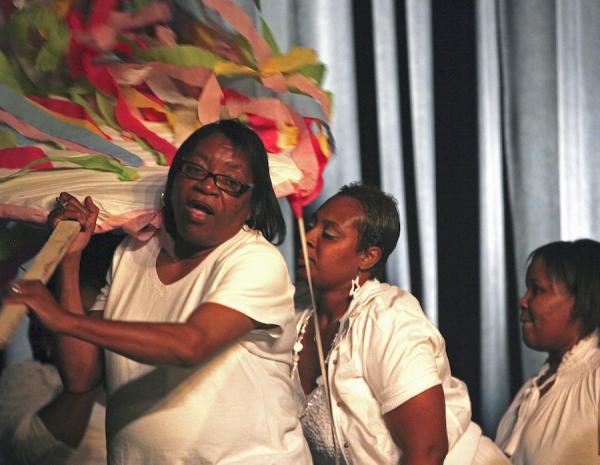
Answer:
(225, 183)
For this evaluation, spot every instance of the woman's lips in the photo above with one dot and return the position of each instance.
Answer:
(300, 261)
(525, 318)
(201, 206)
(195, 215)
(198, 211)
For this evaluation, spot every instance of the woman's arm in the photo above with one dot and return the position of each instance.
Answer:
(418, 427)
(80, 363)
(67, 416)
(209, 328)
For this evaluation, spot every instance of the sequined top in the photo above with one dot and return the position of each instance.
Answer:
(316, 423)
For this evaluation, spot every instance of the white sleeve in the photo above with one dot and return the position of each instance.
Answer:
(399, 357)
(254, 280)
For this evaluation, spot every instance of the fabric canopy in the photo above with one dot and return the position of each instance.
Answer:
(95, 101)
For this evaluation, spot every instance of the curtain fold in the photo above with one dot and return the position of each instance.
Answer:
(389, 127)
(495, 364)
(551, 70)
(535, 80)
(578, 69)
(420, 68)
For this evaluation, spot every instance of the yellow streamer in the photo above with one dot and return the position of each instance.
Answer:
(293, 60)
(139, 100)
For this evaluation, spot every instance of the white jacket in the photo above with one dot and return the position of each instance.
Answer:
(388, 352)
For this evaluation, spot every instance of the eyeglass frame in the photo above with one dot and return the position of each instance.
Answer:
(244, 187)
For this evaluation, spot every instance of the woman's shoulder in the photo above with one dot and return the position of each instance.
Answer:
(389, 310)
(132, 244)
(385, 301)
(249, 244)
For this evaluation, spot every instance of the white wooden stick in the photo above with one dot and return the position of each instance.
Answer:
(43, 266)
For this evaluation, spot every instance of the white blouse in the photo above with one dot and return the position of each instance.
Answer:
(386, 323)
(238, 406)
(563, 425)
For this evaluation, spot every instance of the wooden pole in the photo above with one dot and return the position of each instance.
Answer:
(43, 266)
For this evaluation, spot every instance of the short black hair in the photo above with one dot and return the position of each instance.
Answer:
(266, 213)
(380, 224)
(576, 264)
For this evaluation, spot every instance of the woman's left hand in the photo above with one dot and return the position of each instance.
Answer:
(39, 299)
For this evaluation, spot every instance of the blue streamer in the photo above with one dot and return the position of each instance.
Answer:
(22, 108)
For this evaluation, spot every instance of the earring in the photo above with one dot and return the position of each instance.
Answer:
(354, 288)
(162, 199)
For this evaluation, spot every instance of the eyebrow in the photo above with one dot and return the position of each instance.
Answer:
(330, 223)
(233, 165)
(326, 222)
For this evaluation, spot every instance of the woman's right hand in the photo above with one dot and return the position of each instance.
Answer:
(69, 208)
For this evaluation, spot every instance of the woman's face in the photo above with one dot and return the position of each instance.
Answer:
(331, 240)
(205, 216)
(546, 310)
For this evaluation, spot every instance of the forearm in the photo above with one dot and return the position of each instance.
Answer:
(79, 361)
(418, 426)
(150, 343)
(68, 415)
(431, 456)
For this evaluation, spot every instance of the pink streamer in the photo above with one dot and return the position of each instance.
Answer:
(22, 213)
(103, 35)
(134, 74)
(242, 23)
(209, 103)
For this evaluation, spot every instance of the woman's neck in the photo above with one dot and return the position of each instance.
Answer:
(186, 251)
(556, 356)
(331, 306)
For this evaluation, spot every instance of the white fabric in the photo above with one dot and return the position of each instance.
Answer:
(316, 424)
(132, 205)
(561, 426)
(24, 439)
(386, 323)
(238, 407)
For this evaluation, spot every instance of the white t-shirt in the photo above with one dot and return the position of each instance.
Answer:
(386, 353)
(237, 407)
(562, 427)
(24, 439)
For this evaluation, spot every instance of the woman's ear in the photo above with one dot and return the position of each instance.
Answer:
(371, 257)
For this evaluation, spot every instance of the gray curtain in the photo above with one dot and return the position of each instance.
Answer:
(539, 77)
(538, 65)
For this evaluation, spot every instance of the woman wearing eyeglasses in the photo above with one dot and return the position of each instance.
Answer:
(197, 326)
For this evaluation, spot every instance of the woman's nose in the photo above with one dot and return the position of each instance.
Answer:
(310, 237)
(206, 185)
(523, 301)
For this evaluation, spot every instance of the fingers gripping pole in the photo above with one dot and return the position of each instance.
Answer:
(43, 266)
